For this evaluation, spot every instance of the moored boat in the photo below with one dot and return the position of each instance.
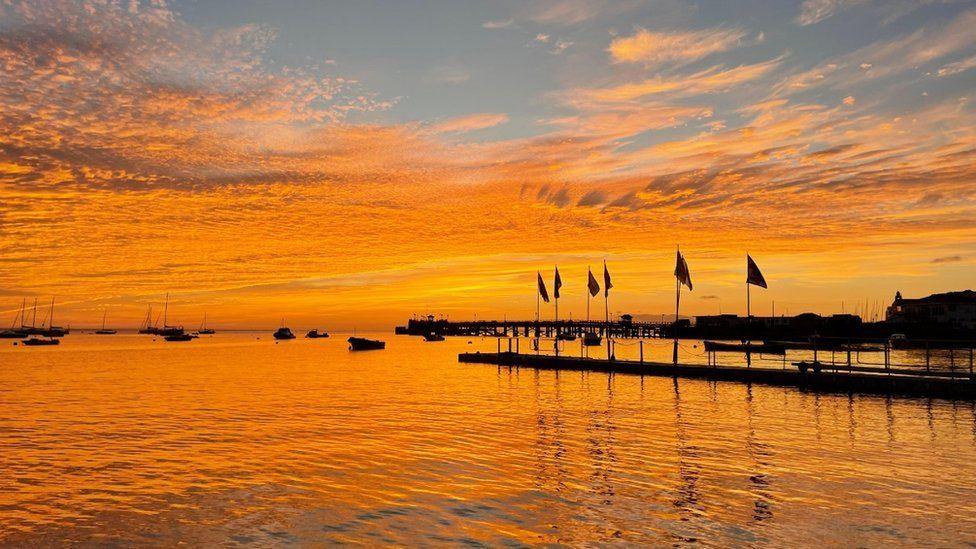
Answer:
(315, 334)
(283, 333)
(433, 336)
(363, 344)
(204, 330)
(565, 336)
(592, 340)
(180, 337)
(36, 341)
(103, 330)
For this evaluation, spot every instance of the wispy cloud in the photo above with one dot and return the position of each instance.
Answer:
(814, 11)
(662, 47)
(468, 123)
(498, 24)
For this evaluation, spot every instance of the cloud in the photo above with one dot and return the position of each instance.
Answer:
(958, 66)
(711, 80)
(673, 47)
(543, 38)
(560, 47)
(499, 24)
(948, 259)
(468, 123)
(814, 11)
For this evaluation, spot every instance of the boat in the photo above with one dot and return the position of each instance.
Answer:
(315, 334)
(433, 336)
(36, 341)
(103, 330)
(592, 340)
(363, 344)
(13, 332)
(147, 325)
(565, 336)
(179, 337)
(283, 333)
(52, 330)
(168, 330)
(203, 327)
(761, 348)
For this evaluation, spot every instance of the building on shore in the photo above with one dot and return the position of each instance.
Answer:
(954, 310)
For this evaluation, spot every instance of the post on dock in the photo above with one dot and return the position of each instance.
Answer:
(641, 344)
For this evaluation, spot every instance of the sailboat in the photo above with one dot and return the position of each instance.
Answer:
(50, 333)
(168, 330)
(103, 330)
(13, 332)
(147, 325)
(203, 327)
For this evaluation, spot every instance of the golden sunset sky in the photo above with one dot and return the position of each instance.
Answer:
(348, 164)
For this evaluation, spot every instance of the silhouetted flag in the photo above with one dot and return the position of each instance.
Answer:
(681, 271)
(592, 285)
(606, 280)
(542, 289)
(558, 283)
(753, 274)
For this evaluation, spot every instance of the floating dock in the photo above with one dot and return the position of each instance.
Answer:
(818, 377)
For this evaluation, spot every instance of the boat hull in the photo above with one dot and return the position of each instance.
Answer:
(363, 344)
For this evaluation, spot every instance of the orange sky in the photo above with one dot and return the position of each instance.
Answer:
(144, 152)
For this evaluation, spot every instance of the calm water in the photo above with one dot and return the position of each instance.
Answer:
(126, 441)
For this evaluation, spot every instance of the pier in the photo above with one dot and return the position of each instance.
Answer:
(813, 376)
(620, 329)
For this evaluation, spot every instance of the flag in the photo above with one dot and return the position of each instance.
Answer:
(754, 276)
(592, 284)
(681, 271)
(606, 280)
(558, 283)
(542, 289)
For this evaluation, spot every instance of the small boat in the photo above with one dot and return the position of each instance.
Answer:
(180, 337)
(35, 341)
(283, 333)
(565, 336)
(12, 334)
(592, 340)
(315, 334)
(363, 344)
(204, 330)
(103, 330)
(760, 348)
(432, 336)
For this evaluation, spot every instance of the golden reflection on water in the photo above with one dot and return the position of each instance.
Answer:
(234, 439)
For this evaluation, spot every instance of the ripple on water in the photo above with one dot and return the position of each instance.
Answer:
(235, 440)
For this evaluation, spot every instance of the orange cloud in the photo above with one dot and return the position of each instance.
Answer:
(656, 48)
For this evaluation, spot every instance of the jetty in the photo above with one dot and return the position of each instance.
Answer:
(619, 329)
(817, 376)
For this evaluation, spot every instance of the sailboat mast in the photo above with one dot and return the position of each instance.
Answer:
(50, 318)
(166, 311)
(34, 315)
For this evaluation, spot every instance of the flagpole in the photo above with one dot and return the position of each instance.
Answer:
(677, 303)
(588, 296)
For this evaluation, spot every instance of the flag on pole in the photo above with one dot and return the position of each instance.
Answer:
(753, 274)
(592, 284)
(681, 271)
(606, 280)
(558, 283)
(542, 288)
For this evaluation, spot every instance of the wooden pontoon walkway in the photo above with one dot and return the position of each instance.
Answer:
(825, 378)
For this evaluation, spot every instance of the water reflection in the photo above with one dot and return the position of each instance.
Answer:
(242, 441)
